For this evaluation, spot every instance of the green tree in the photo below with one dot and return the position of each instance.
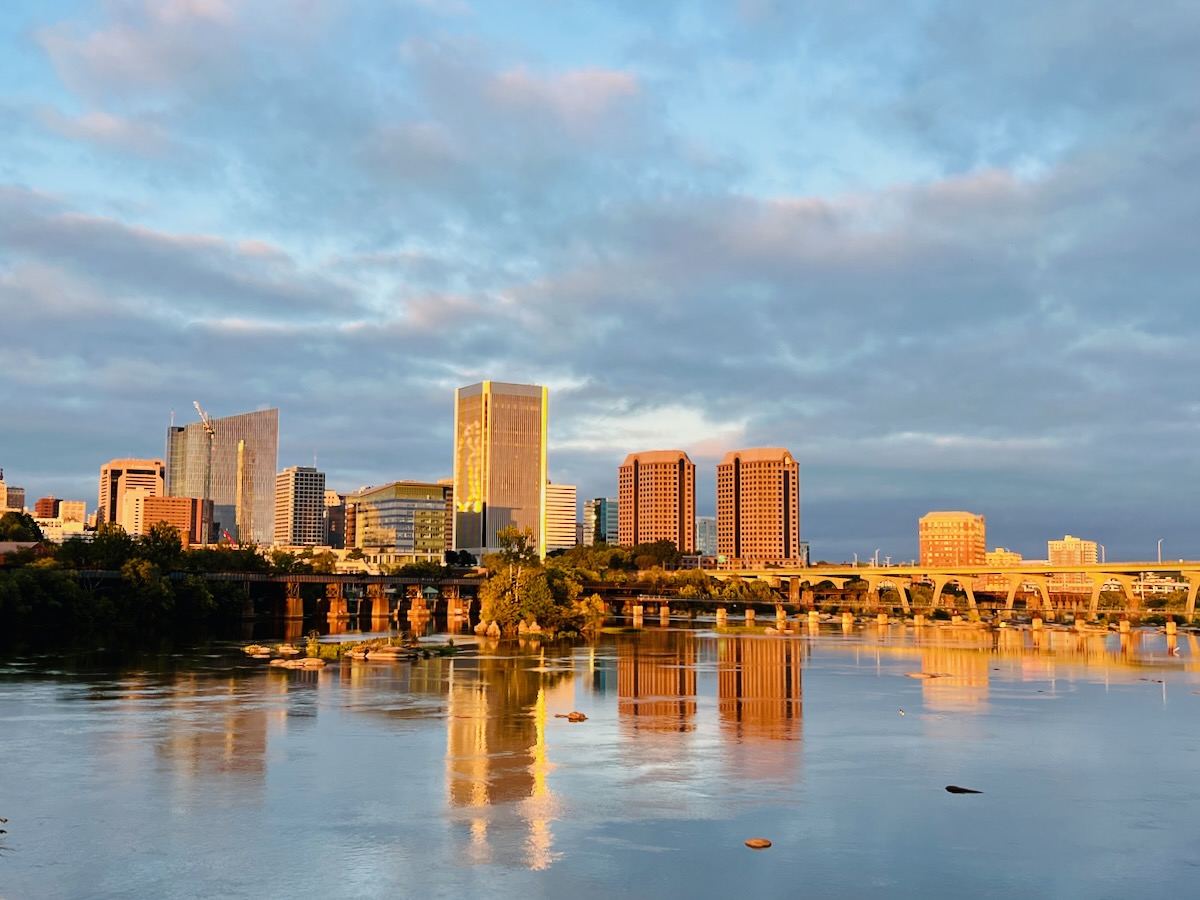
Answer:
(19, 526)
(111, 547)
(161, 545)
(517, 545)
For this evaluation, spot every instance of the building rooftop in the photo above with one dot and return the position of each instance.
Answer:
(757, 454)
(656, 456)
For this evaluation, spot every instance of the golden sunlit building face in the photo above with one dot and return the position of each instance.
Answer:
(499, 462)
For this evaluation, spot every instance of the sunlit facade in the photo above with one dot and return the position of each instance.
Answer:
(300, 507)
(656, 499)
(952, 538)
(499, 463)
(244, 462)
(758, 507)
(122, 483)
(561, 516)
(600, 521)
(399, 523)
(1072, 551)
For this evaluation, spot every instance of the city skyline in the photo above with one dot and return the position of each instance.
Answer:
(945, 260)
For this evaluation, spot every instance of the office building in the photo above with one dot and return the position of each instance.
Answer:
(600, 521)
(11, 497)
(561, 516)
(189, 515)
(122, 483)
(499, 463)
(1001, 558)
(72, 510)
(1071, 551)
(300, 507)
(656, 499)
(952, 539)
(241, 478)
(399, 523)
(46, 507)
(335, 519)
(706, 535)
(758, 508)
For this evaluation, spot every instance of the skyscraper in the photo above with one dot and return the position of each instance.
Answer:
(244, 460)
(758, 507)
(300, 507)
(122, 482)
(499, 463)
(952, 539)
(561, 507)
(656, 499)
(706, 535)
(600, 521)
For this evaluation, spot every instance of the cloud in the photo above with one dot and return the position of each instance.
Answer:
(138, 137)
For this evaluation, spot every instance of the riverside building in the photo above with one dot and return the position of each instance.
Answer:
(1071, 551)
(242, 473)
(400, 523)
(758, 508)
(952, 539)
(600, 521)
(300, 507)
(122, 483)
(656, 499)
(561, 505)
(499, 463)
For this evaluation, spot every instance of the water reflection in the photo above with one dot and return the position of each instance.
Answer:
(497, 761)
(656, 681)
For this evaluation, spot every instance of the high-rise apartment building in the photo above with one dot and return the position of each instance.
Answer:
(1071, 551)
(600, 521)
(656, 499)
(952, 539)
(122, 483)
(300, 507)
(399, 523)
(561, 516)
(499, 463)
(242, 472)
(758, 507)
(1001, 558)
(706, 535)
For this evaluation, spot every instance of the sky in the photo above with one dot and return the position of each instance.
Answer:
(945, 253)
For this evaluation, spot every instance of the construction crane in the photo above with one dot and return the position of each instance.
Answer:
(205, 518)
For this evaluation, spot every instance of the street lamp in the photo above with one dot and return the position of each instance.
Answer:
(1102, 559)
(875, 559)
(1160, 550)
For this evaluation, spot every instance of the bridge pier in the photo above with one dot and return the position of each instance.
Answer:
(1193, 578)
(338, 608)
(749, 617)
(722, 616)
(295, 602)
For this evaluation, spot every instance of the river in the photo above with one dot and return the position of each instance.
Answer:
(206, 774)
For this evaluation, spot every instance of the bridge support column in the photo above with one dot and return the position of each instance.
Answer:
(780, 618)
(664, 615)
(1094, 604)
(749, 617)
(295, 602)
(794, 590)
(1193, 578)
(722, 616)
(1127, 589)
(378, 598)
(338, 608)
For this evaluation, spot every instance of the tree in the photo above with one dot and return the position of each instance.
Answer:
(19, 526)
(111, 547)
(517, 545)
(161, 545)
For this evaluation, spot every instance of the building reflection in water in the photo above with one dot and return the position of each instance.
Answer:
(961, 682)
(496, 756)
(656, 681)
(760, 706)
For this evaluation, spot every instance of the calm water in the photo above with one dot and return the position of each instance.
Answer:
(214, 776)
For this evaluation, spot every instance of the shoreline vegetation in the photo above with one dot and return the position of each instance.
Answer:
(46, 599)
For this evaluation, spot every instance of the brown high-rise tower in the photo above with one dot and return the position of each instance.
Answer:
(758, 507)
(657, 499)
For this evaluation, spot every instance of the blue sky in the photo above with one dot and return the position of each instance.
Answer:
(945, 253)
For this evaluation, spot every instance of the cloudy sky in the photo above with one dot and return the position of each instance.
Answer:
(946, 253)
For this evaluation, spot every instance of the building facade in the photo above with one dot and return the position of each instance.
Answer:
(758, 508)
(399, 523)
(122, 483)
(706, 535)
(190, 515)
(1071, 551)
(1001, 558)
(46, 507)
(242, 472)
(300, 507)
(499, 463)
(561, 516)
(952, 539)
(656, 499)
(601, 523)
(335, 519)
(11, 497)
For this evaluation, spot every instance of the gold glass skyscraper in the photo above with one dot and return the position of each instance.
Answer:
(499, 463)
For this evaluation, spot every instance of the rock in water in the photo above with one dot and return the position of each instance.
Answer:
(955, 789)
(758, 843)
